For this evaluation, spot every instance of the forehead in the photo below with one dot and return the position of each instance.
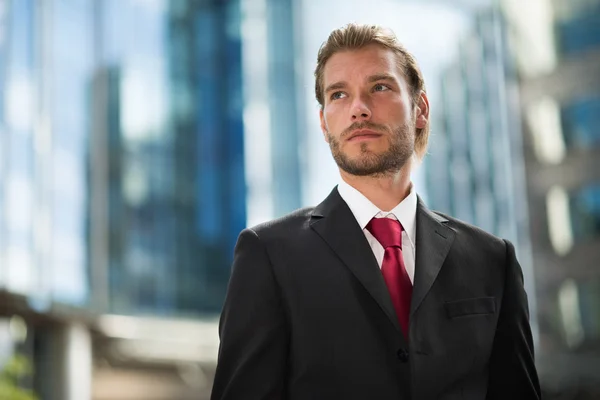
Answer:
(360, 63)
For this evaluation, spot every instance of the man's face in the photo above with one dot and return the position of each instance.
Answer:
(367, 116)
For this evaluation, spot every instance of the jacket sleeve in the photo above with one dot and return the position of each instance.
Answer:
(252, 329)
(512, 366)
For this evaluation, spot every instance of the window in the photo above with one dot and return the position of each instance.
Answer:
(580, 33)
(573, 216)
(585, 212)
(70, 37)
(18, 156)
(581, 122)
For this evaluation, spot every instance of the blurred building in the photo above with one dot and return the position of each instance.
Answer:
(515, 150)
(560, 102)
(45, 67)
(137, 139)
(168, 191)
(273, 129)
(167, 174)
(122, 191)
(474, 171)
(470, 168)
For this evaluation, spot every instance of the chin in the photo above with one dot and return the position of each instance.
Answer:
(370, 146)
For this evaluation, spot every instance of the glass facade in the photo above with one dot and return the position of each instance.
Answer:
(579, 33)
(581, 122)
(474, 169)
(283, 103)
(122, 153)
(589, 304)
(562, 108)
(273, 130)
(18, 162)
(3, 135)
(577, 307)
(468, 171)
(71, 68)
(176, 191)
(43, 118)
(585, 212)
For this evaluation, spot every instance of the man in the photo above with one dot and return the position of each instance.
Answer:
(370, 295)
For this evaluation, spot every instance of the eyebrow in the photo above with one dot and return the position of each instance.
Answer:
(381, 77)
(372, 78)
(335, 86)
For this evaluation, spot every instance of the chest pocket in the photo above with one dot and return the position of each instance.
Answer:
(470, 307)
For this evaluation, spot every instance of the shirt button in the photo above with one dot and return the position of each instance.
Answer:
(402, 355)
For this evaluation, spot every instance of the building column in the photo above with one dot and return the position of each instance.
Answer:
(64, 362)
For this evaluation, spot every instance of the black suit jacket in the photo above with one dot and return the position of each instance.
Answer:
(308, 315)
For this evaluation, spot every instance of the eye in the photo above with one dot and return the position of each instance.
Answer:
(337, 95)
(380, 87)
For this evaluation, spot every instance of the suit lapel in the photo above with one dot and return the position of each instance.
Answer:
(335, 223)
(433, 243)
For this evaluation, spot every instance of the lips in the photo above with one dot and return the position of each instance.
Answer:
(363, 134)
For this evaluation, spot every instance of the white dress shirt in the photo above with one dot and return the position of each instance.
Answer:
(405, 212)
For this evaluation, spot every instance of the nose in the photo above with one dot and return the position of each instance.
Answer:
(360, 110)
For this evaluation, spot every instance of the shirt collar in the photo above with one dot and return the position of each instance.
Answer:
(363, 210)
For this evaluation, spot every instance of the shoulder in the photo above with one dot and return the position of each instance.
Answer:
(289, 225)
(473, 236)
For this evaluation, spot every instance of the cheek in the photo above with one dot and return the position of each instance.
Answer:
(332, 116)
(392, 109)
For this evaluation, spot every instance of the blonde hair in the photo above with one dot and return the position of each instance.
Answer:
(356, 36)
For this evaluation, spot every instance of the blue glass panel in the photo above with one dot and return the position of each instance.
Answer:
(72, 50)
(581, 33)
(177, 190)
(234, 146)
(585, 212)
(18, 99)
(581, 122)
(211, 85)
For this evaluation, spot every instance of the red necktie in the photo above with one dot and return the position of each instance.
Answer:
(388, 233)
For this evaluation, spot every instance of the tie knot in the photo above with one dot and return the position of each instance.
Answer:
(387, 231)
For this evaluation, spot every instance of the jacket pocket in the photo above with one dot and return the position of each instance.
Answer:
(474, 306)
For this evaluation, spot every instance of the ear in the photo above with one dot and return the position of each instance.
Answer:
(323, 124)
(422, 111)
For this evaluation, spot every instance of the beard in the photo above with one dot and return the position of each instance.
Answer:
(370, 163)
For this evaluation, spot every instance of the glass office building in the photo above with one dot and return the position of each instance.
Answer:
(154, 111)
(273, 128)
(137, 139)
(516, 152)
(559, 81)
(44, 151)
(172, 127)
(122, 169)
(474, 169)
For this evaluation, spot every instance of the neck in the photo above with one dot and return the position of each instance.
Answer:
(385, 191)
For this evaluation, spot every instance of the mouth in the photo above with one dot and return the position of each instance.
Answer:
(363, 134)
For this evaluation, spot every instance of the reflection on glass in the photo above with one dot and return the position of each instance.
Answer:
(585, 212)
(559, 220)
(142, 107)
(548, 141)
(176, 190)
(568, 298)
(579, 305)
(579, 32)
(18, 102)
(71, 73)
(535, 44)
(581, 122)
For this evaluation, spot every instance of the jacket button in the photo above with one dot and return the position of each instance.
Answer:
(402, 355)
